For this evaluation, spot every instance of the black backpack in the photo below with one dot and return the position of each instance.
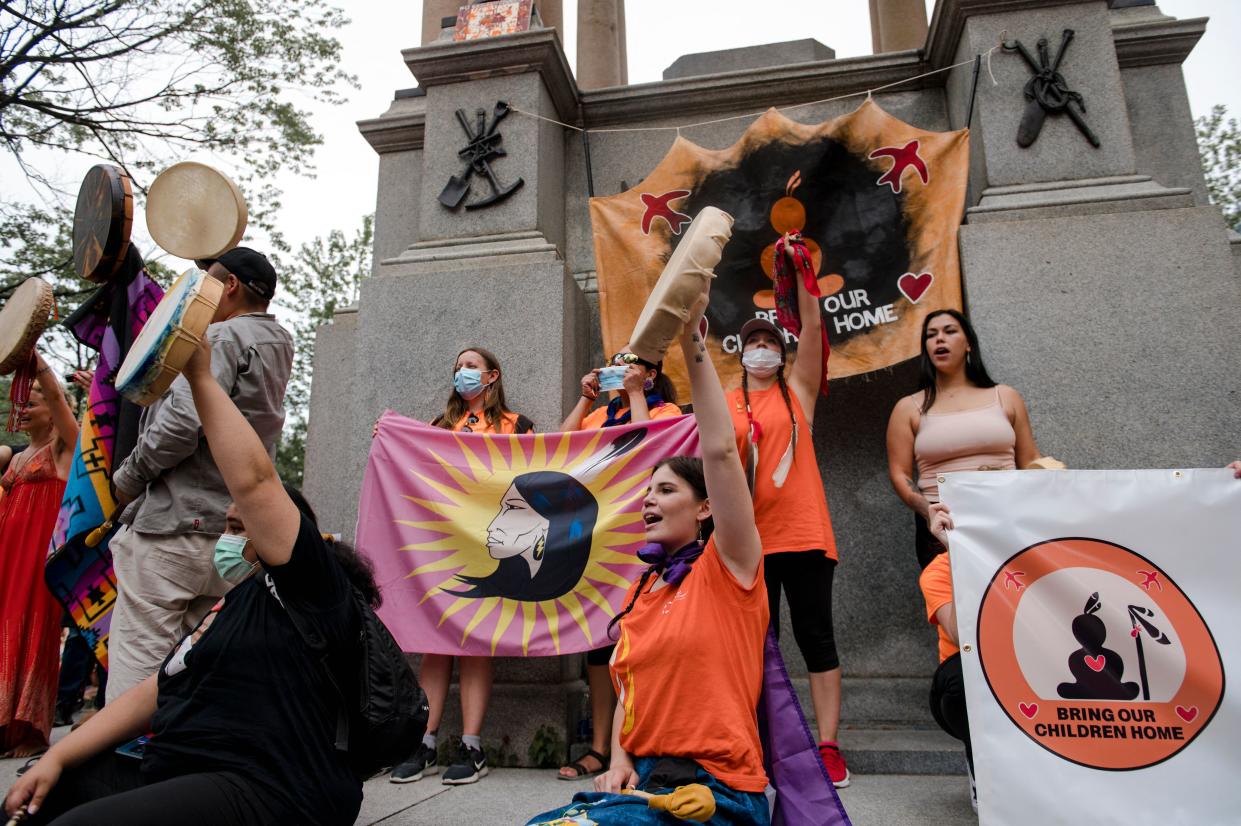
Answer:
(384, 711)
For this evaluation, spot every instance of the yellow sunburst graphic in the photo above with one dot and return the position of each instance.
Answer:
(528, 537)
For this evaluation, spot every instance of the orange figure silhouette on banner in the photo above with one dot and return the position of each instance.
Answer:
(789, 215)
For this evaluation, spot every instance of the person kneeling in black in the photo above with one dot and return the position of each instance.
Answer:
(242, 714)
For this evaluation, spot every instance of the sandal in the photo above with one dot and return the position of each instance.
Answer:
(581, 771)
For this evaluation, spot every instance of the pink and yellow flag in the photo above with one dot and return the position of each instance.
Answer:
(508, 545)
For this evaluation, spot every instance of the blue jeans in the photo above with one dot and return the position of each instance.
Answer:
(732, 808)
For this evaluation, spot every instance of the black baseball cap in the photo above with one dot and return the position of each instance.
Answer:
(252, 269)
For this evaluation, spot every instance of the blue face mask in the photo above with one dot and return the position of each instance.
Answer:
(230, 563)
(468, 383)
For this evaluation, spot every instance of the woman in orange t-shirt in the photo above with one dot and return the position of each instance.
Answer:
(647, 395)
(772, 418)
(689, 656)
(475, 405)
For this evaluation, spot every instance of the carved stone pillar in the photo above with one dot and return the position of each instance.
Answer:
(601, 56)
(896, 25)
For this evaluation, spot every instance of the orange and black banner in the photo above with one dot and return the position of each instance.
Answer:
(878, 201)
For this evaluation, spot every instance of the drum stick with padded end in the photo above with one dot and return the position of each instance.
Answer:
(96, 536)
(693, 802)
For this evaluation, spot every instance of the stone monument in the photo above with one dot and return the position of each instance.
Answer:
(1102, 283)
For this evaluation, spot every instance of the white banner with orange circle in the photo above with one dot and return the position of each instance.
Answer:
(1098, 618)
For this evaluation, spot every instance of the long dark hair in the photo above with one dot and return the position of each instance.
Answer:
(494, 405)
(975, 372)
(664, 386)
(357, 568)
(688, 468)
(571, 511)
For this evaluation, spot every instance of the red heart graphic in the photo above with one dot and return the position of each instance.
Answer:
(1028, 709)
(1133, 633)
(1096, 663)
(913, 286)
(1187, 714)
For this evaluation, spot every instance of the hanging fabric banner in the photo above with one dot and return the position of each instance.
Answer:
(80, 574)
(508, 545)
(877, 200)
(1097, 619)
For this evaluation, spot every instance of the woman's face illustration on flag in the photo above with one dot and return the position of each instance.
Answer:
(518, 530)
(542, 537)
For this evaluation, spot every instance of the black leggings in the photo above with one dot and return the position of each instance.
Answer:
(109, 788)
(948, 703)
(806, 577)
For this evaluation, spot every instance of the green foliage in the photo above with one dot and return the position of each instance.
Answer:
(138, 81)
(547, 748)
(323, 277)
(1219, 144)
(501, 756)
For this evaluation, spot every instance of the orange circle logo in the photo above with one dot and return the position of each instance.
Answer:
(1097, 655)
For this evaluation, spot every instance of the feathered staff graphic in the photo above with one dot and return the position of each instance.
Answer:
(1138, 618)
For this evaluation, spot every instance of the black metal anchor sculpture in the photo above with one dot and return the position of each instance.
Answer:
(484, 147)
(1048, 92)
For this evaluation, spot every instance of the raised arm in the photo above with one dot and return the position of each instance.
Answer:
(732, 510)
(171, 434)
(63, 420)
(901, 455)
(271, 519)
(590, 392)
(807, 372)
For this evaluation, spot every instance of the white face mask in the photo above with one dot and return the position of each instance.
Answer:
(761, 363)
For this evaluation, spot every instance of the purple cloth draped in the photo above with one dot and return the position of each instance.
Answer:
(805, 795)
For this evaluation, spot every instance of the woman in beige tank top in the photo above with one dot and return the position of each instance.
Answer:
(959, 419)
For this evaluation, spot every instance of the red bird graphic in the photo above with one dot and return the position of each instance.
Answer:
(1151, 578)
(1010, 578)
(903, 158)
(657, 207)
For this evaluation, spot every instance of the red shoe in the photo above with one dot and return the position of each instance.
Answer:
(834, 762)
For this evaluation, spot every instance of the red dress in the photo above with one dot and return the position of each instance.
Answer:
(29, 615)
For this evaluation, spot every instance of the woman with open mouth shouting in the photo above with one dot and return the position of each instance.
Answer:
(959, 419)
(688, 666)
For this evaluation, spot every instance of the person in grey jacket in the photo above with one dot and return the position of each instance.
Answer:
(172, 491)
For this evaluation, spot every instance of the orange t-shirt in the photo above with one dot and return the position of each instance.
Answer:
(936, 584)
(595, 418)
(793, 517)
(508, 424)
(688, 670)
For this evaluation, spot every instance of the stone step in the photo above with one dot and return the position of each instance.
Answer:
(901, 751)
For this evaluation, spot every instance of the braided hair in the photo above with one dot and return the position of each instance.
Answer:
(784, 393)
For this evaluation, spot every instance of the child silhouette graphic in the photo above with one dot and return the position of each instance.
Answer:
(1096, 670)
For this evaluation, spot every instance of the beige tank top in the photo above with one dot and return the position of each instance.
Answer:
(979, 439)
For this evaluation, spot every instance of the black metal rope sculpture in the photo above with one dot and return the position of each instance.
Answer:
(1048, 92)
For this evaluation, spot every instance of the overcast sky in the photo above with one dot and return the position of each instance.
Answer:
(658, 32)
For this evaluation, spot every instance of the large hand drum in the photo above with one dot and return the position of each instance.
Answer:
(195, 211)
(169, 337)
(685, 279)
(22, 321)
(101, 223)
